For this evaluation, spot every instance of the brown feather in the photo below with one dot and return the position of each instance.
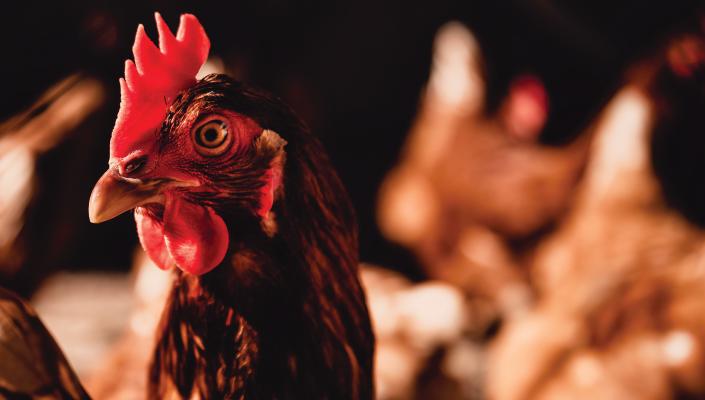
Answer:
(31, 364)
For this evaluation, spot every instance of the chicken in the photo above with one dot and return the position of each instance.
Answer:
(33, 366)
(232, 193)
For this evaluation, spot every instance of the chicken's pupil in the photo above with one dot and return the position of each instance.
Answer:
(210, 135)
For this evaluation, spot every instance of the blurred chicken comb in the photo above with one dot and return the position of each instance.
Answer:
(154, 79)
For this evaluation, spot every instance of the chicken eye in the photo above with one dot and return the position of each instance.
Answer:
(212, 138)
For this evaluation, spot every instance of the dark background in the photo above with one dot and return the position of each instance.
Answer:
(353, 70)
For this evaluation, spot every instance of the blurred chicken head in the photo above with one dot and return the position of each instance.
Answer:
(464, 164)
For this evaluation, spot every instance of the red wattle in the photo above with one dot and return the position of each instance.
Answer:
(191, 237)
(195, 236)
(151, 234)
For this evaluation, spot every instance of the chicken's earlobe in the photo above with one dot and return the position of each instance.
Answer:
(268, 223)
(270, 142)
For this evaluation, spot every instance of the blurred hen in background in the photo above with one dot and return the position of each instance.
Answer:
(555, 180)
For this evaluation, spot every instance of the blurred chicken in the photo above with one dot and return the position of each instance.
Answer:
(24, 140)
(33, 366)
(621, 282)
(590, 264)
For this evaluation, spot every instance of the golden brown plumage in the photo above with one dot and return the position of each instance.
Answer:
(31, 364)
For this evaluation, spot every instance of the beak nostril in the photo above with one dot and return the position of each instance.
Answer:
(133, 166)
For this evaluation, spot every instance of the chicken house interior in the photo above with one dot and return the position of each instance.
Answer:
(415, 200)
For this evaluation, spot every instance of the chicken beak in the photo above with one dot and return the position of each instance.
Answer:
(113, 195)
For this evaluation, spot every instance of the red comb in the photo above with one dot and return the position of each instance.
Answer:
(155, 77)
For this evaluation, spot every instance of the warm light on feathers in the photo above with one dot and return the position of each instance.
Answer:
(154, 78)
